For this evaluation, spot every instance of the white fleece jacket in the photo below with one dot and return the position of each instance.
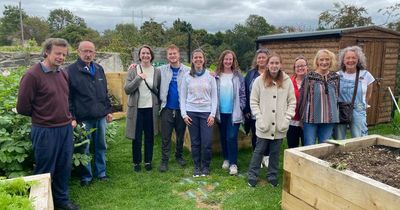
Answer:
(273, 107)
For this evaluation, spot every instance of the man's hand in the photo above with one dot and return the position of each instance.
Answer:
(109, 118)
(132, 66)
(74, 123)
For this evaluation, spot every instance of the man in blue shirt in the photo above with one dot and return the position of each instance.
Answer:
(171, 78)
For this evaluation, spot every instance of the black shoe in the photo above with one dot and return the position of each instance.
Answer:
(85, 183)
(148, 166)
(181, 161)
(252, 182)
(205, 171)
(197, 172)
(163, 167)
(67, 206)
(273, 182)
(137, 167)
(104, 178)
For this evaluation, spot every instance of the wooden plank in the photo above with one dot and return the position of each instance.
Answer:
(321, 150)
(381, 140)
(115, 84)
(317, 197)
(358, 189)
(119, 115)
(40, 193)
(289, 202)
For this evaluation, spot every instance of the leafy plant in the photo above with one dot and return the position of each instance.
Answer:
(396, 121)
(112, 131)
(80, 139)
(15, 144)
(14, 194)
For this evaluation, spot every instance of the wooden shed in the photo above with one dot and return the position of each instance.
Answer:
(380, 45)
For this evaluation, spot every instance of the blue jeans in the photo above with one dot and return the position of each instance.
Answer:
(228, 136)
(97, 139)
(53, 148)
(313, 130)
(358, 125)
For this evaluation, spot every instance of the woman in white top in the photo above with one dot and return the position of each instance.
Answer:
(142, 85)
(198, 102)
(352, 59)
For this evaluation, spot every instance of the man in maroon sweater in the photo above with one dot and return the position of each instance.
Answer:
(43, 95)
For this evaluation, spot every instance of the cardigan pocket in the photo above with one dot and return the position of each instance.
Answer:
(283, 125)
(260, 125)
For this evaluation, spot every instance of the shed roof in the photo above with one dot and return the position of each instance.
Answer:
(331, 33)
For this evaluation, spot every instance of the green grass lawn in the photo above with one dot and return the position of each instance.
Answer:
(176, 189)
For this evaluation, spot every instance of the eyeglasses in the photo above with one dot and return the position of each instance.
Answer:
(300, 66)
(87, 51)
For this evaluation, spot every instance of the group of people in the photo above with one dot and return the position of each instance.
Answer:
(272, 105)
(58, 100)
(302, 107)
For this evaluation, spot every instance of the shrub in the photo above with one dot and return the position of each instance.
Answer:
(15, 144)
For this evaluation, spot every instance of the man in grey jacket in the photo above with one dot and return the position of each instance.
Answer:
(171, 78)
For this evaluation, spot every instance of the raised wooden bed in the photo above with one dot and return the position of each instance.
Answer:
(310, 183)
(40, 193)
(244, 141)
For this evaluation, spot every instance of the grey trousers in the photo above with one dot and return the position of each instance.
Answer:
(170, 120)
(273, 166)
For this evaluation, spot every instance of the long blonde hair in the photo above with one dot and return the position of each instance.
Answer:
(220, 66)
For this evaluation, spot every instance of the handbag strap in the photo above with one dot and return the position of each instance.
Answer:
(145, 82)
(355, 88)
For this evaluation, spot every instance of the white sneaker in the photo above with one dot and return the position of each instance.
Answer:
(265, 161)
(233, 170)
(225, 165)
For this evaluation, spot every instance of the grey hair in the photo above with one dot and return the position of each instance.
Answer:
(362, 60)
(48, 44)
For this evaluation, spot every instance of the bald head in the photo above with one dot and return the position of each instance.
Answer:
(86, 51)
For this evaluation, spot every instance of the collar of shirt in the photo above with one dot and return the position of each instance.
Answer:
(47, 70)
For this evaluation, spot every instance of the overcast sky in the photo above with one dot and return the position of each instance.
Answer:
(212, 15)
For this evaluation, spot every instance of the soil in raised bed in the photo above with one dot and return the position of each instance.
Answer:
(378, 162)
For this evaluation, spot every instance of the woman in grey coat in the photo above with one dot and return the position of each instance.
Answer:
(142, 86)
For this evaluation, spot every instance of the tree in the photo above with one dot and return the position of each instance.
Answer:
(242, 38)
(182, 26)
(10, 24)
(75, 33)
(392, 12)
(257, 25)
(344, 16)
(36, 28)
(60, 18)
(152, 33)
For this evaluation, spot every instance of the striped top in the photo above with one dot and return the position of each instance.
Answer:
(318, 98)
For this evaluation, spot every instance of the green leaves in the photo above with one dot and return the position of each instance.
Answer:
(15, 144)
(14, 194)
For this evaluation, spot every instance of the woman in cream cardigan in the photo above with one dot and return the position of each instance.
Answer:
(273, 103)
